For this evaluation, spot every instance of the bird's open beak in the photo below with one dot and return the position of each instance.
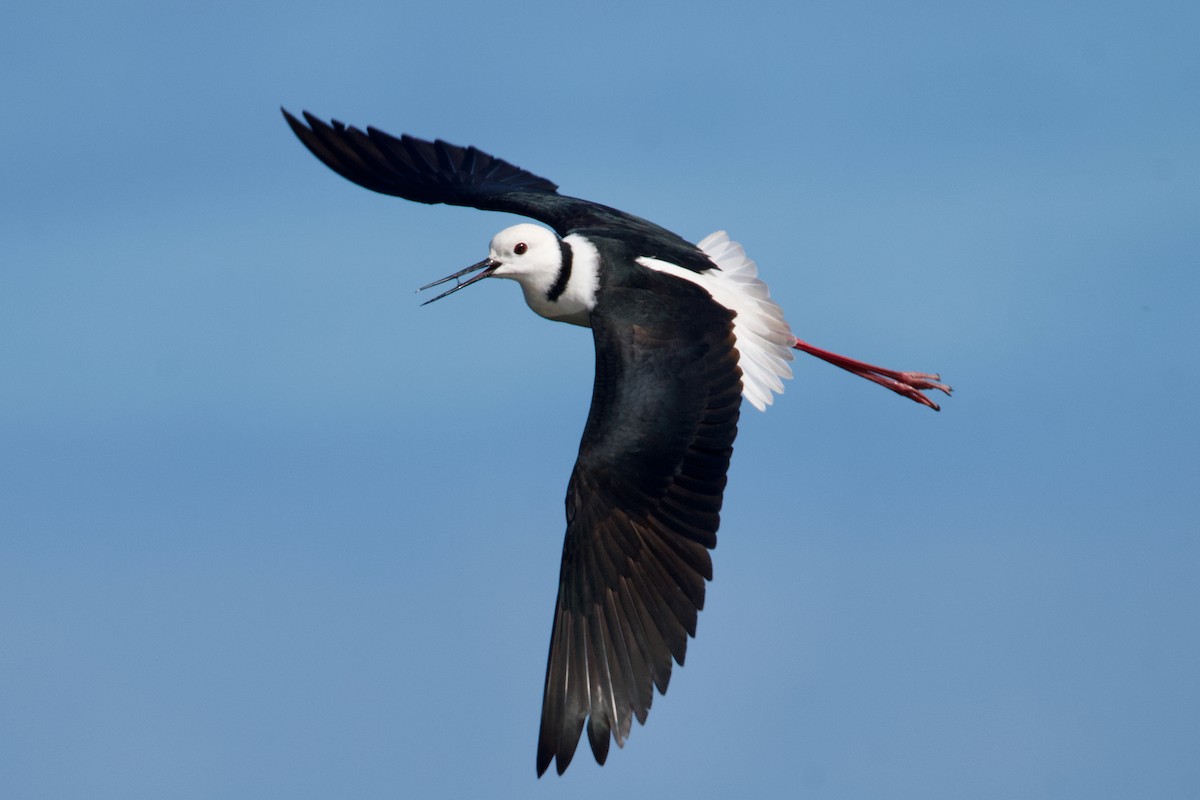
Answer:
(487, 267)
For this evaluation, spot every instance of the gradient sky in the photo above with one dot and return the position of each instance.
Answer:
(270, 530)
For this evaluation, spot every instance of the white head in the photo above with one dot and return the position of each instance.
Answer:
(543, 264)
(529, 254)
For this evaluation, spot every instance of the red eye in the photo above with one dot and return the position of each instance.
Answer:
(520, 248)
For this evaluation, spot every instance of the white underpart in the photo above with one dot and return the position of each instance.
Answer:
(762, 336)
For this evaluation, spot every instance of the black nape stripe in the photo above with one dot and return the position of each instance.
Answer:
(564, 273)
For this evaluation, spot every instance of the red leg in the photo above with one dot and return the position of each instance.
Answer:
(909, 384)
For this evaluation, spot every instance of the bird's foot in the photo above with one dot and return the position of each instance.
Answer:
(909, 384)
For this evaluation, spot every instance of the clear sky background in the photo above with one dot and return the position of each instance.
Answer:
(270, 530)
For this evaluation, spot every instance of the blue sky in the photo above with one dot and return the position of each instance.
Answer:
(269, 529)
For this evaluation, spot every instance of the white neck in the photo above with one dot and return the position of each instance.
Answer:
(577, 299)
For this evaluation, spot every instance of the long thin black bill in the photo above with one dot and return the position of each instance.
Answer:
(487, 265)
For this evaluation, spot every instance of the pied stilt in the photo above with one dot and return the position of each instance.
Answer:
(682, 332)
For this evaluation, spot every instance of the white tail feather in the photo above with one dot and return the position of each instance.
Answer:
(763, 338)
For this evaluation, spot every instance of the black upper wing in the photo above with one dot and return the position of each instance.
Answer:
(642, 508)
(440, 172)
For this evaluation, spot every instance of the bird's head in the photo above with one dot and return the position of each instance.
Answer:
(527, 253)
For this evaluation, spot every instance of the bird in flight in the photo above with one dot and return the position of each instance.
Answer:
(682, 332)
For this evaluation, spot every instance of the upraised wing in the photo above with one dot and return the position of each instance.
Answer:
(440, 172)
